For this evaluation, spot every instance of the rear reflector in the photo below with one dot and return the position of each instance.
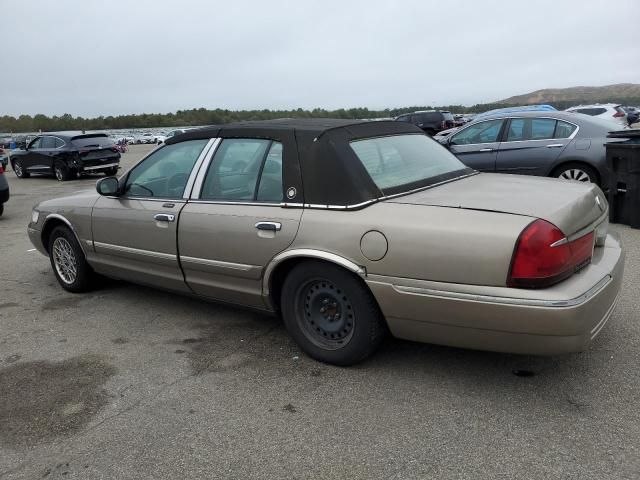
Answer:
(544, 257)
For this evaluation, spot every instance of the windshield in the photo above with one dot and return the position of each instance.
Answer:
(402, 162)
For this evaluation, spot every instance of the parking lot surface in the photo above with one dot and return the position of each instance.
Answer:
(130, 382)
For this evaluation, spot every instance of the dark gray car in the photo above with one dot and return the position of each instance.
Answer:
(569, 146)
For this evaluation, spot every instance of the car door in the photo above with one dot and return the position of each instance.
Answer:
(32, 159)
(236, 222)
(47, 153)
(477, 144)
(530, 146)
(134, 235)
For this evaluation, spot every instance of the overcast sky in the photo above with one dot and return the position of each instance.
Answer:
(91, 57)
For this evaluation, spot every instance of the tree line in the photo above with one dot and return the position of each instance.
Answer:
(203, 116)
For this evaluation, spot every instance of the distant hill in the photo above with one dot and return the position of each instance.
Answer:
(621, 92)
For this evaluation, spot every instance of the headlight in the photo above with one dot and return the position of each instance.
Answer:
(35, 214)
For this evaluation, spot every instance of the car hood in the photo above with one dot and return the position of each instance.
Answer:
(83, 198)
(571, 206)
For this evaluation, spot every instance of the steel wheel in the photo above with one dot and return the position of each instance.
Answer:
(64, 260)
(575, 174)
(326, 315)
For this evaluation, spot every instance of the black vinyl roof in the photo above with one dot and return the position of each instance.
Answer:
(319, 164)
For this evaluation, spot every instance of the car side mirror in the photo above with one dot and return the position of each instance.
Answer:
(108, 187)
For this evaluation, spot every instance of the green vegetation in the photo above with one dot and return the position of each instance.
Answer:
(202, 116)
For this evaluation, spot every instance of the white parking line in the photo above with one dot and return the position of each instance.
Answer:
(31, 250)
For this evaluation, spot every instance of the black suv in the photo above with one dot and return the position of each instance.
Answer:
(66, 155)
(431, 121)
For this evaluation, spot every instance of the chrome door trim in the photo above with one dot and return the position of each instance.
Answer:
(135, 251)
(216, 263)
(68, 224)
(506, 300)
(307, 253)
(194, 194)
(196, 168)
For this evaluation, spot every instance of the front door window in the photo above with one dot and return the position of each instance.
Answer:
(165, 173)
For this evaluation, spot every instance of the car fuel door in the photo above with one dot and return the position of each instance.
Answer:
(237, 222)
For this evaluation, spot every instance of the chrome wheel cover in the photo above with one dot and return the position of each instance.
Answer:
(576, 175)
(64, 260)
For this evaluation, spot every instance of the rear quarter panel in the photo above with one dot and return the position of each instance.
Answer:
(424, 242)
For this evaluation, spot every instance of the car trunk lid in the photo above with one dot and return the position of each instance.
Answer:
(570, 206)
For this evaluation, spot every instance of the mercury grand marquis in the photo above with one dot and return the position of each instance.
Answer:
(348, 230)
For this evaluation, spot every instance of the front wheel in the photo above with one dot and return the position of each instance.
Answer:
(19, 169)
(68, 261)
(331, 314)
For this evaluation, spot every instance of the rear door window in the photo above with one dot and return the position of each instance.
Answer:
(542, 128)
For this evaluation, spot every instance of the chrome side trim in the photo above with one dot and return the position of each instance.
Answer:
(216, 263)
(68, 223)
(135, 251)
(253, 204)
(307, 253)
(196, 168)
(506, 300)
(199, 180)
(97, 167)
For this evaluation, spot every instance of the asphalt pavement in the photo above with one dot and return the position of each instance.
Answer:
(128, 382)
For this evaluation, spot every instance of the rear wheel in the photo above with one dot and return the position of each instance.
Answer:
(1, 209)
(111, 172)
(330, 314)
(19, 169)
(577, 172)
(68, 261)
(61, 172)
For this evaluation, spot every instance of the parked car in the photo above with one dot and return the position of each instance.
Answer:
(606, 111)
(4, 190)
(348, 230)
(4, 159)
(549, 144)
(67, 154)
(430, 121)
(523, 108)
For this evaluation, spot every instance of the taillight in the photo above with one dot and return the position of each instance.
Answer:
(544, 257)
(443, 125)
(618, 114)
(1, 169)
(82, 153)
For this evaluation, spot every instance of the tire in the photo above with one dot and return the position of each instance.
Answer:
(111, 172)
(1, 209)
(331, 314)
(68, 262)
(19, 170)
(576, 171)
(61, 171)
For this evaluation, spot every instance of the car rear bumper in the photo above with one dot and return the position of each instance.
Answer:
(104, 166)
(560, 319)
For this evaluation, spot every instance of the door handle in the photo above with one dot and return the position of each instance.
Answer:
(164, 217)
(555, 145)
(486, 150)
(272, 226)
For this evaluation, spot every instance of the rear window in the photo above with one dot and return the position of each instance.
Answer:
(447, 115)
(97, 141)
(402, 162)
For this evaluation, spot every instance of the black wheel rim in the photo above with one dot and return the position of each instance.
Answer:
(325, 314)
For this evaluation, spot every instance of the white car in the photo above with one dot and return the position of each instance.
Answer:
(608, 111)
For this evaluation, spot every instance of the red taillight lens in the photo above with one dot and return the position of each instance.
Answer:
(618, 114)
(1, 170)
(541, 258)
